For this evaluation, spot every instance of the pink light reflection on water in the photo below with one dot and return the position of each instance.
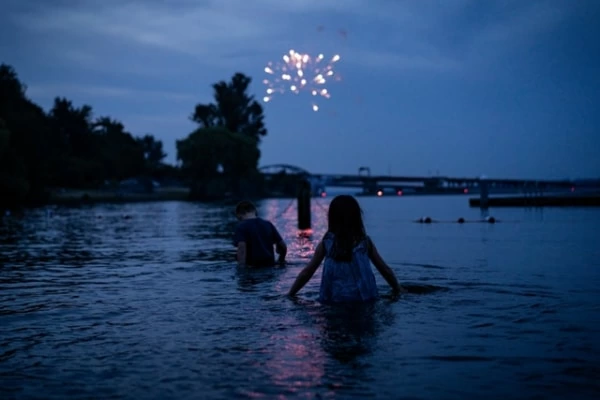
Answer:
(283, 213)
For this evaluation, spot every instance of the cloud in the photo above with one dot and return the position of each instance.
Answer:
(52, 90)
(396, 61)
(523, 26)
(192, 29)
(152, 38)
(216, 33)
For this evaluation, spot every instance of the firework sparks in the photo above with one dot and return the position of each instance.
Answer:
(300, 73)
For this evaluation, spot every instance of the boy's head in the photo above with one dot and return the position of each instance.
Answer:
(245, 209)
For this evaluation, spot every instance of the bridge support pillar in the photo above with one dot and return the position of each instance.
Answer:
(369, 186)
(304, 194)
(483, 194)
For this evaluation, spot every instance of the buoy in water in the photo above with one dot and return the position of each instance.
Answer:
(461, 220)
(490, 220)
(424, 220)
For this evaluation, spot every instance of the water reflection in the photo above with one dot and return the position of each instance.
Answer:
(329, 346)
(148, 296)
(349, 332)
(320, 351)
(253, 279)
(284, 217)
(296, 364)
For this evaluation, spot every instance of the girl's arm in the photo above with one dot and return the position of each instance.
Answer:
(383, 268)
(308, 271)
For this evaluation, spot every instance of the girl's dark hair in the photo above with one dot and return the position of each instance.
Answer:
(346, 224)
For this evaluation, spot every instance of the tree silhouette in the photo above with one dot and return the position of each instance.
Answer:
(11, 89)
(235, 109)
(153, 151)
(217, 160)
(228, 136)
(25, 122)
(64, 148)
(13, 180)
(71, 127)
(121, 154)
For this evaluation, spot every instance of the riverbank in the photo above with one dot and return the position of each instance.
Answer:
(78, 197)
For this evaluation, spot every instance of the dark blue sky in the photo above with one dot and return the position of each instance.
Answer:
(465, 87)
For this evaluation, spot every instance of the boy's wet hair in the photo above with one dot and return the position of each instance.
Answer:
(244, 207)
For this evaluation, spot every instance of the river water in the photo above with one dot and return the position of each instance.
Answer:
(143, 301)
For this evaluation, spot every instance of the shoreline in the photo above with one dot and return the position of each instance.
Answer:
(97, 196)
(560, 200)
(79, 197)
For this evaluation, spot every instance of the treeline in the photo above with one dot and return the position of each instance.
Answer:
(68, 148)
(65, 147)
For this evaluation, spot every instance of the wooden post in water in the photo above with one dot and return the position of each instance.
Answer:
(304, 194)
(483, 194)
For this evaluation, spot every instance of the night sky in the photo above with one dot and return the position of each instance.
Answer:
(459, 87)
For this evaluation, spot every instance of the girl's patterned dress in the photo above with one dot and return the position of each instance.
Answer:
(343, 281)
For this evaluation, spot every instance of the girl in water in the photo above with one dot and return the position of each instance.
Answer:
(348, 251)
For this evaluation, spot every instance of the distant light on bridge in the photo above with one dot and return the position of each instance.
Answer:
(323, 194)
(399, 192)
(465, 190)
(572, 188)
(380, 193)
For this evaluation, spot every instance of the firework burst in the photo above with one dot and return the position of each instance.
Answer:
(301, 73)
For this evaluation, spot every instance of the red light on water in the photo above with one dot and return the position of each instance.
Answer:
(465, 190)
(305, 233)
(399, 192)
(379, 193)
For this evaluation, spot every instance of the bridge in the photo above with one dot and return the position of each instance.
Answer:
(381, 185)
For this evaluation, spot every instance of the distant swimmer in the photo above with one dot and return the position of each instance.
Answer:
(425, 220)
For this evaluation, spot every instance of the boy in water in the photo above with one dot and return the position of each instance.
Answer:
(254, 238)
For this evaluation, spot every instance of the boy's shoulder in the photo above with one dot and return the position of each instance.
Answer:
(265, 222)
(247, 223)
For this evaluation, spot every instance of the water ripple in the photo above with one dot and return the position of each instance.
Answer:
(144, 301)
